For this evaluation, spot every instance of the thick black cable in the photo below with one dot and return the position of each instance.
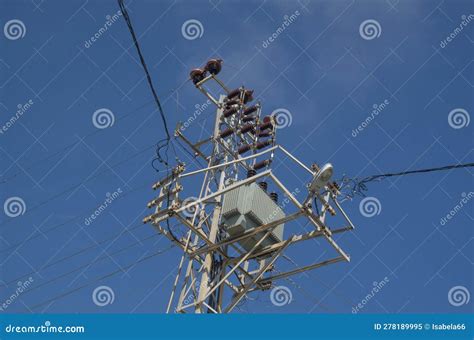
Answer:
(359, 186)
(128, 21)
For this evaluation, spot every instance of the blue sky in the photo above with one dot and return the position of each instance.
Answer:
(321, 69)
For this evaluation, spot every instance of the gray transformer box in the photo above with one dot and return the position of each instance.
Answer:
(247, 207)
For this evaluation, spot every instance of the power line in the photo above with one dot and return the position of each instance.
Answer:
(88, 264)
(125, 15)
(67, 147)
(79, 252)
(75, 186)
(57, 226)
(359, 186)
(143, 259)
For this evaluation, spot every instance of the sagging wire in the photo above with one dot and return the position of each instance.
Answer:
(165, 142)
(351, 187)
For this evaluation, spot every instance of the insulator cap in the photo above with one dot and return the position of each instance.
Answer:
(234, 93)
(265, 126)
(197, 75)
(213, 66)
(251, 173)
(248, 96)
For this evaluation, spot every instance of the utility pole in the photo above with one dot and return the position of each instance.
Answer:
(236, 230)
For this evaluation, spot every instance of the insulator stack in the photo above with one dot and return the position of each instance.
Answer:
(264, 133)
(247, 119)
(244, 148)
(250, 110)
(263, 185)
(261, 145)
(247, 128)
(262, 164)
(234, 93)
(226, 133)
(232, 102)
(274, 197)
(230, 112)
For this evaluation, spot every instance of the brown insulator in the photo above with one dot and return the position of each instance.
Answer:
(251, 173)
(244, 148)
(247, 128)
(261, 145)
(267, 119)
(232, 102)
(250, 110)
(274, 197)
(262, 164)
(248, 96)
(248, 119)
(213, 66)
(264, 133)
(197, 75)
(234, 93)
(226, 133)
(263, 185)
(265, 126)
(230, 112)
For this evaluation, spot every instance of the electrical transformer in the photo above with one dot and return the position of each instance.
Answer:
(247, 207)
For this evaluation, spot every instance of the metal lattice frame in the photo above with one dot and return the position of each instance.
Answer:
(214, 273)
